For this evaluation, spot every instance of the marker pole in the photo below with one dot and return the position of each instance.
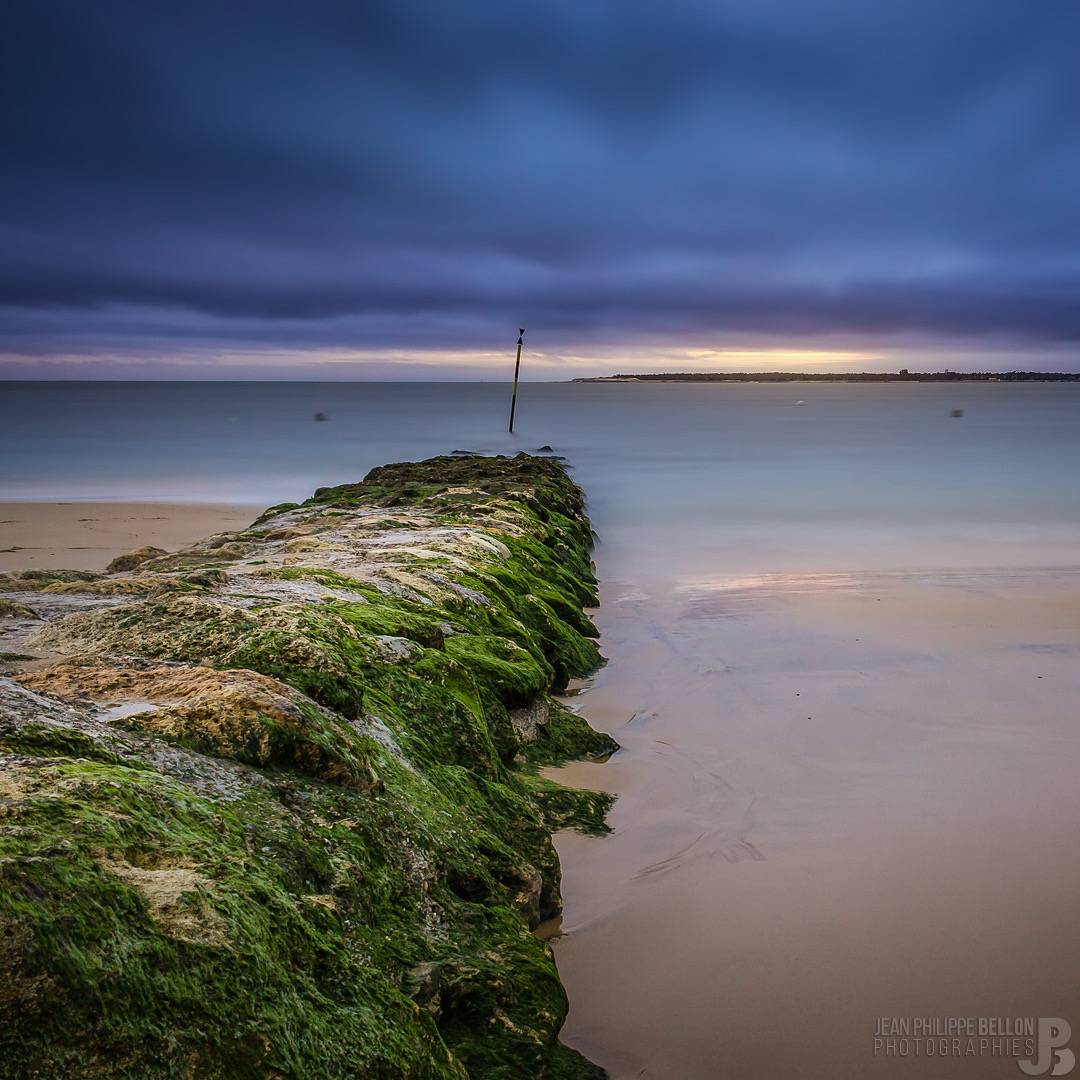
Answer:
(517, 369)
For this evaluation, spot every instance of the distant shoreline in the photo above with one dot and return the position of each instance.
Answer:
(837, 376)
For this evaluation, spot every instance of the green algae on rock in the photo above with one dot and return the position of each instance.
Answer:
(270, 806)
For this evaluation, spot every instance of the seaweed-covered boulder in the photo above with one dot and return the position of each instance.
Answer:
(13, 609)
(234, 714)
(132, 559)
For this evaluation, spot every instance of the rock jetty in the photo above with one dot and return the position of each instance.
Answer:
(270, 806)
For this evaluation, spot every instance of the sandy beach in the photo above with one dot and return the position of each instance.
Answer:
(87, 535)
(841, 797)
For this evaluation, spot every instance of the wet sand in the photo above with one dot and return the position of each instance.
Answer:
(841, 797)
(87, 535)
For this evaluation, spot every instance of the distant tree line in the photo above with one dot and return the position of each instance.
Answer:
(848, 376)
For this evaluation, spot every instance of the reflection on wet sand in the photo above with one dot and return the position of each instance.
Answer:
(840, 797)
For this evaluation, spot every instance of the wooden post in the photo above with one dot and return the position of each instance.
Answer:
(517, 369)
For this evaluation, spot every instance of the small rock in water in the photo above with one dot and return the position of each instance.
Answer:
(956, 412)
(320, 416)
(545, 449)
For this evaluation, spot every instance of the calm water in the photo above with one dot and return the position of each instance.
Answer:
(737, 476)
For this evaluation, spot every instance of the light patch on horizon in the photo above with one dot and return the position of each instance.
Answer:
(645, 359)
(780, 359)
(165, 361)
(452, 362)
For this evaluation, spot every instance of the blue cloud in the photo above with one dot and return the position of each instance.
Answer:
(395, 173)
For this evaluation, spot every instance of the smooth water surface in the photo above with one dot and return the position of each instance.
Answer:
(735, 477)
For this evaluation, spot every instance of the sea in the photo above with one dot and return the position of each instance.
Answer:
(744, 476)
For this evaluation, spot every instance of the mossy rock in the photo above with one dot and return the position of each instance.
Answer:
(239, 715)
(12, 609)
(132, 559)
(33, 580)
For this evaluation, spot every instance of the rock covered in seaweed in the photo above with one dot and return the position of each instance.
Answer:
(270, 805)
(132, 559)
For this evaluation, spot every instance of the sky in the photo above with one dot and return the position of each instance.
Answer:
(373, 189)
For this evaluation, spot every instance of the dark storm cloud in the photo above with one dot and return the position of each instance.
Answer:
(379, 174)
